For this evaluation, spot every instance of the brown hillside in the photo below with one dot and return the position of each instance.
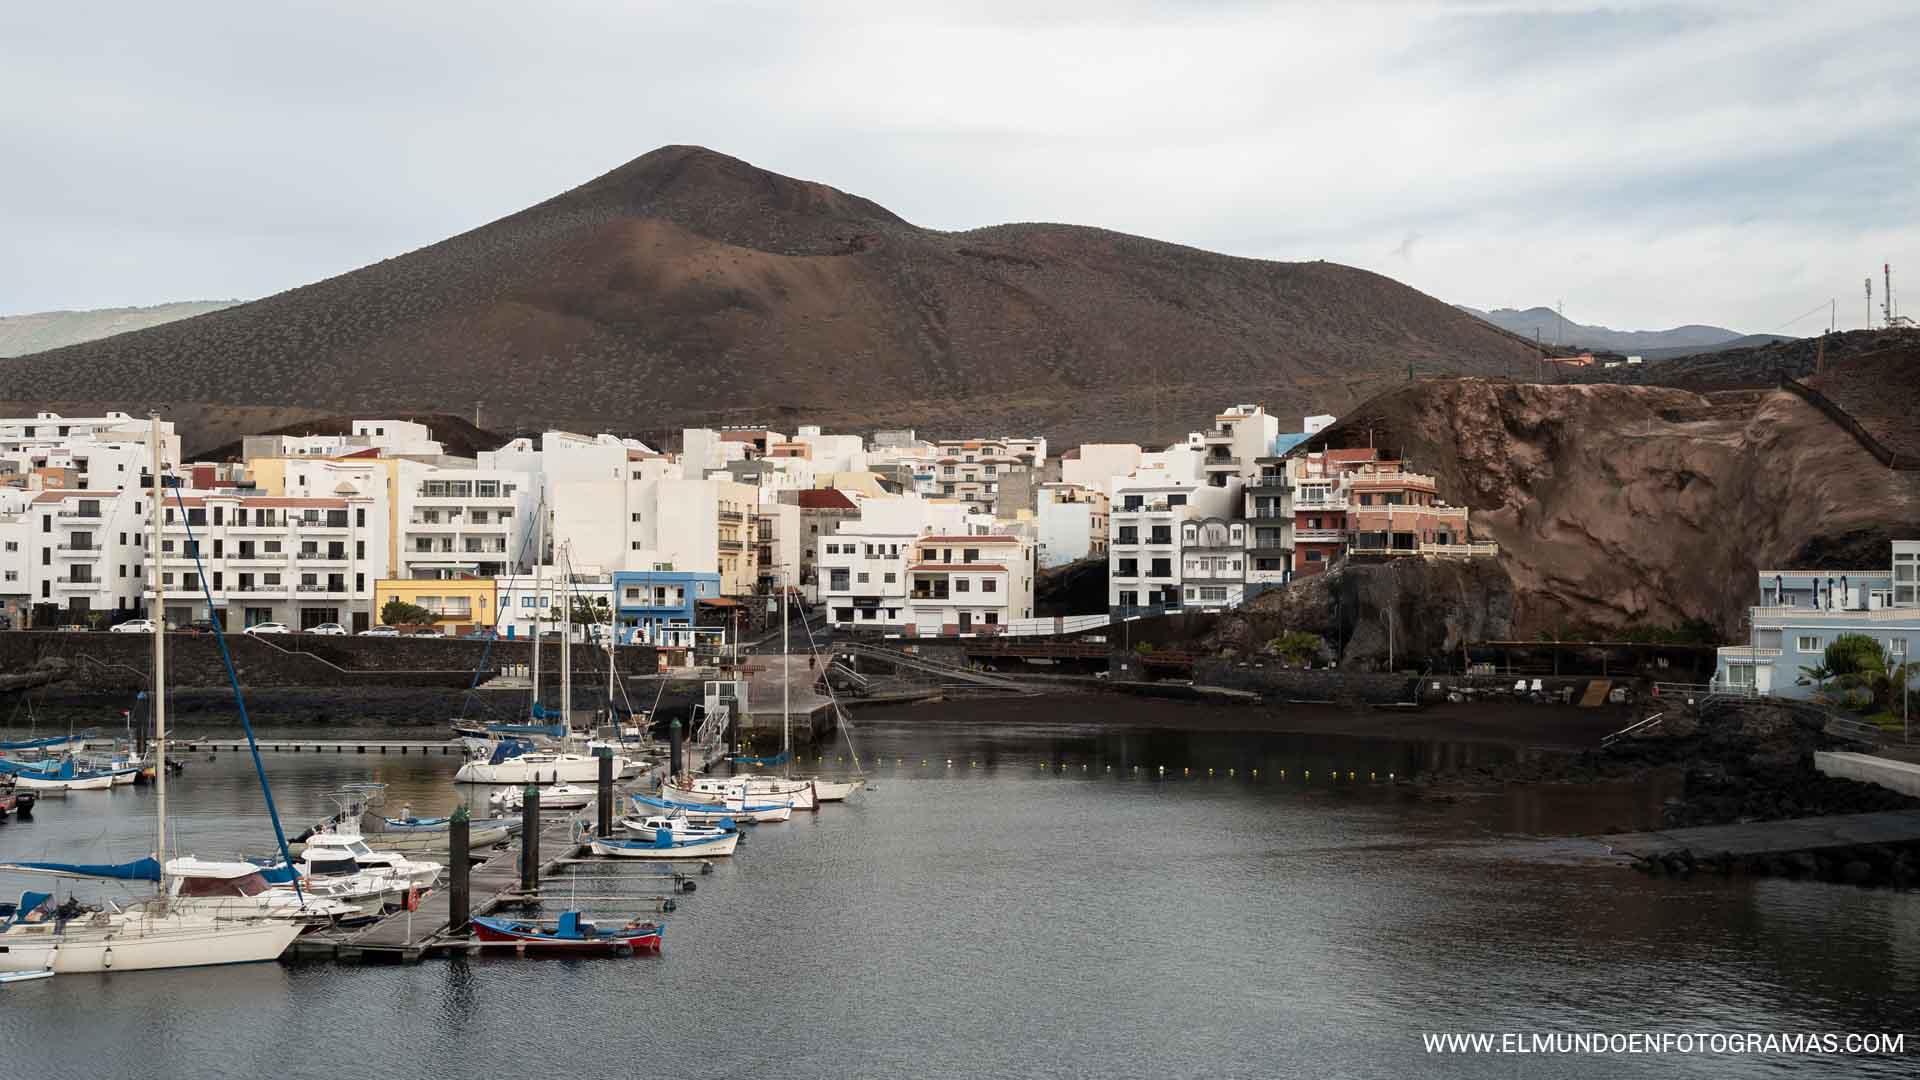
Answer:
(1621, 506)
(689, 287)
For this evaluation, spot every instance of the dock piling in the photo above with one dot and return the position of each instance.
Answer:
(673, 748)
(605, 796)
(460, 873)
(530, 839)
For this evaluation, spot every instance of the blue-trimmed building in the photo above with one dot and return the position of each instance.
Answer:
(1801, 612)
(648, 601)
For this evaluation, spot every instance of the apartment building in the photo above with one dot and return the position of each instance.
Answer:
(51, 429)
(243, 559)
(1268, 511)
(963, 584)
(1070, 521)
(526, 600)
(1145, 520)
(393, 438)
(100, 453)
(1238, 438)
(1392, 510)
(1213, 555)
(862, 565)
(970, 470)
(458, 605)
(78, 557)
(1319, 493)
(1798, 613)
(650, 604)
(820, 512)
(455, 522)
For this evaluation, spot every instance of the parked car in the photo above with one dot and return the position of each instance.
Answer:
(202, 626)
(268, 628)
(380, 631)
(480, 635)
(134, 626)
(328, 629)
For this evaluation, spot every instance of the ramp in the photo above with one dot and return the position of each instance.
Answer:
(1596, 693)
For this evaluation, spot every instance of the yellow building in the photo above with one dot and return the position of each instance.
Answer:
(459, 604)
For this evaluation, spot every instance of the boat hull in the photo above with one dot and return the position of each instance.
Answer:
(502, 932)
(146, 945)
(635, 850)
(797, 792)
(834, 790)
(564, 769)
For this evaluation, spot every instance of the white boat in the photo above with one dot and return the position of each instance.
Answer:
(834, 790)
(535, 767)
(345, 860)
(737, 809)
(554, 797)
(137, 940)
(236, 890)
(669, 849)
(721, 790)
(677, 827)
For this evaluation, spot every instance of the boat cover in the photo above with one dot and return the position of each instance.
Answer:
(147, 869)
(508, 749)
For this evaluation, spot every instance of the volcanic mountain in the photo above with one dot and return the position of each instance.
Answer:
(688, 287)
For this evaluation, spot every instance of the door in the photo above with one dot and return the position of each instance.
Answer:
(360, 621)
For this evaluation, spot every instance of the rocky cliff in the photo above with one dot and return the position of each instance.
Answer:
(1631, 506)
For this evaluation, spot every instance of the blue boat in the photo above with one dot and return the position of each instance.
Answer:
(568, 934)
(664, 846)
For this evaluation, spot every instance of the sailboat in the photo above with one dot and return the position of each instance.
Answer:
(523, 763)
(154, 935)
(818, 790)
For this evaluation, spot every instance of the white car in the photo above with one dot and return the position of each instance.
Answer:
(380, 631)
(329, 629)
(268, 628)
(134, 626)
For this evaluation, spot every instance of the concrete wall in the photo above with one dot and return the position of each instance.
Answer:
(1899, 776)
(108, 661)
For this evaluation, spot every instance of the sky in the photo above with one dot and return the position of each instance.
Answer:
(1646, 165)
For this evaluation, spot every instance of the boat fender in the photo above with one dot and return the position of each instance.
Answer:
(669, 905)
(706, 868)
(106, 958)
(623, 950)
(688, 886)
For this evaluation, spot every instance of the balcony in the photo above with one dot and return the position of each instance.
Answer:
(1467, 551)
(258, 556)
(257, 526)
(1810, 616)
(1319, 536)
(321, 587)
(1218, 463)
(732, 545)
(434, 526)
(78, 514)
(321, 556)
(75, 551)
(731, 515)
(1321, 505)
(82, 584)
(321, 524)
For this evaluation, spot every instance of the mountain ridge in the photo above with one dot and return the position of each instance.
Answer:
(38, 331)
(1553, 327)
(688, 287)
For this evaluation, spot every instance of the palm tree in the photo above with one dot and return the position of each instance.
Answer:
(1818, 675)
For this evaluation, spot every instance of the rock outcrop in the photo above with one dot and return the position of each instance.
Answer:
(1368, 613)
(1632, 506)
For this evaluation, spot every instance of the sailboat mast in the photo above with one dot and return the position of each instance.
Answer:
(159, 617)
(539, 602)
(566, 648)
(786, 713)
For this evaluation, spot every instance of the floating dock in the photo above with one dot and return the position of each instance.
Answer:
(1774, 837)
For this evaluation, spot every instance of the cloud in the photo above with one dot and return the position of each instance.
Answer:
(1652, 163)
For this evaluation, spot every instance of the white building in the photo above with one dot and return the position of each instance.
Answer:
(1239, 437)
(392, 438)
(968, 583)
(82, 553)
(861, 567)
(1070, 522)
(101, 453)
(301, 561)
(52, 429)
(463, 522)
(1098, 465)
(1146, 519)
(521, 605)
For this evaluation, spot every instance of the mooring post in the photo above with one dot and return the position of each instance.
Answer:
(606, 795)
(733, 737)
(673, 748)
(459, 883)
(530, 839)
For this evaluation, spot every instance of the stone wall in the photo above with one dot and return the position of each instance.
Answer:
(107, 661)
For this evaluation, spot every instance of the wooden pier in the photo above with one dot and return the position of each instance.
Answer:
(193, 745)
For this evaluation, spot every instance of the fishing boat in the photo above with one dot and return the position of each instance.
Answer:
(677, 827)
(48, 778)
(569, 934)
(36, 936)
(555, 797)
(708, 813)
(664, 846)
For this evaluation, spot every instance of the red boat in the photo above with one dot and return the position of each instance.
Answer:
(569, 934)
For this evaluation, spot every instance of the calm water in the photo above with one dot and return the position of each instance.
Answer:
(1036, 908)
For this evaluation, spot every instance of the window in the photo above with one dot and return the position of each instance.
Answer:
(989, 585)
(961, 585)
(1162, 534)
(838, 580)
(1161, 568)
(892, 577)
(1176, 500)
(862, 577)
(993, 618)
(1128, 568)
(1128, 534)
(1808, 643)
(1316, 556)
(1897, 647)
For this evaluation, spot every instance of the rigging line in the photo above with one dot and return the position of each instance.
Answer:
(826, 677)
(233, 677)
(499, 608)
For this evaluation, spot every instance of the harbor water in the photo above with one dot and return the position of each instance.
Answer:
(1033, 896)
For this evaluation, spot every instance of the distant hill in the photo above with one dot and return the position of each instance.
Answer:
(1691, 338)
(1749, 341)
(688, 287)
(40, 331)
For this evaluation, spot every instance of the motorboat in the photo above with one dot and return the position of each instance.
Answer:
(554, 797)
(677, 827)
(569, 934)
(237, 890)
(50, 778)
(708, 814)
(340, 854)
(664, 846)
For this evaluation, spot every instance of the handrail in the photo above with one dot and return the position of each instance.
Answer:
(1633, 728)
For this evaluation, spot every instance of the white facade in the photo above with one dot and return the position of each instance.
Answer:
(81, 551)
(863, 577)
(967, 583)
(1100, 464)
(463, 522)
(1070, 523)
(1144, 548)
(101, 453)
(52, 429)
(521, 605)
(1239, 437)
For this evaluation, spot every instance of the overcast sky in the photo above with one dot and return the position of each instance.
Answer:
(1647, 164)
